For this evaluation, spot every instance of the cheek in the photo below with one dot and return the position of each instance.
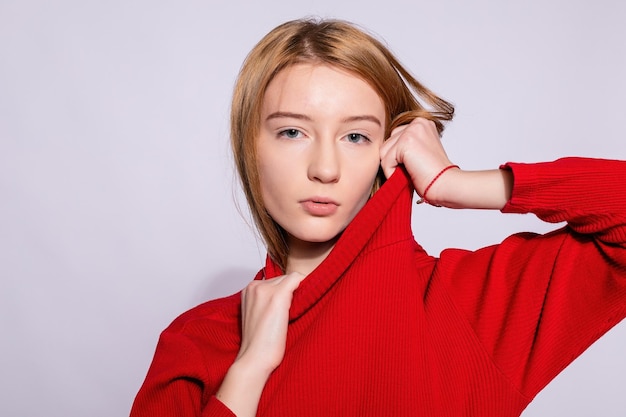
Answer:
(366, 182)
(268, 186)
(273, 165)
(274, 186)
(267, 165)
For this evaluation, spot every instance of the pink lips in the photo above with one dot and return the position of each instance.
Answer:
(319, 206)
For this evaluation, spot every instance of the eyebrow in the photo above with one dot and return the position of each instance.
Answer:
(279, 114)
(366, 117)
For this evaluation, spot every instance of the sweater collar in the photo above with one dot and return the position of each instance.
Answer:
(385, 218)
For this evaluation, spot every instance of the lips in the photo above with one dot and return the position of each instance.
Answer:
(319, 206)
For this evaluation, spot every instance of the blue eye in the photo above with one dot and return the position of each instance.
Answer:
(290, 133)
(356, 138)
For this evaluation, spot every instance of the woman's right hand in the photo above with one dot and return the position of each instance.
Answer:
(264, 316)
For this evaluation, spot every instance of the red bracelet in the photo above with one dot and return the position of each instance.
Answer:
(424, 199)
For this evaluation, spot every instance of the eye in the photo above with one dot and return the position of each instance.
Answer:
(356, 138)
(290, 133)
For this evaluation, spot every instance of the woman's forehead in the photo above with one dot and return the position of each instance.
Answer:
(311, 86)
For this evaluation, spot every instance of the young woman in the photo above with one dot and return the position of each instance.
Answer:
(349, 316)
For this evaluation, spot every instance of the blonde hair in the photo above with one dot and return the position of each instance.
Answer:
(332, 42)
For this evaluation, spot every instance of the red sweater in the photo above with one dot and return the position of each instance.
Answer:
(380, 328)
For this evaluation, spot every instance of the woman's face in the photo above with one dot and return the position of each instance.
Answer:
(318, 150)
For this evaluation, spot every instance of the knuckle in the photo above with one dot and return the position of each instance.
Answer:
(256, 288)
(252, 285)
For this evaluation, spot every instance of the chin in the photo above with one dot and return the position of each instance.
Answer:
(318, 238)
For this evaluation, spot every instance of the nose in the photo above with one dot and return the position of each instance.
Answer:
(324, 163)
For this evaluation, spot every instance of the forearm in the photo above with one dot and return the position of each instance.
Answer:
(241, 389)
(455, 188)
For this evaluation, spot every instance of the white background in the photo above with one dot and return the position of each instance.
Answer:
(117, 192)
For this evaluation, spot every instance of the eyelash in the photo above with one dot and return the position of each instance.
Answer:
(360, 135)
(284, 133)
(288, 132)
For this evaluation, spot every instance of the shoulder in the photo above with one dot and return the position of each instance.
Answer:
(213, 314)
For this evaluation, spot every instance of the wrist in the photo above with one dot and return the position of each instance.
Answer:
(456, 188)
(251, 370)
(242, 387)
(431, 194)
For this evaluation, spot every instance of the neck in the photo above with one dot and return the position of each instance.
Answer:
(304, 257)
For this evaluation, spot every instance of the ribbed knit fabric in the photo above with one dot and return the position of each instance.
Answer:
(382, 329)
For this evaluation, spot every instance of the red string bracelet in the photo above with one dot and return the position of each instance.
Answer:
(424, 199)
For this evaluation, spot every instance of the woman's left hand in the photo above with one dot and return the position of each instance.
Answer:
(418, 147)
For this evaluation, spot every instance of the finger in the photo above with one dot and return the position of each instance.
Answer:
(388, 152)
(278, 287)
(387, 146)
(292, 280)
(389, 157)
(388, 165)
(392, 140)
(399, 129)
